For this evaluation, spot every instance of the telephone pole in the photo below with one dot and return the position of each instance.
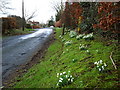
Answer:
(23, 19)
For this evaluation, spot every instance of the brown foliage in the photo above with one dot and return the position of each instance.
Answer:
(8, 24)
(71, 14)
(58, 23)
(108, 16)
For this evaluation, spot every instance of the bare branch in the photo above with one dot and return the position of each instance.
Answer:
(30, 16)
(4, 6)
(112, 61)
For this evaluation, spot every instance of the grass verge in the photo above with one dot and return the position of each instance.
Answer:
(60, 58)
(18, 32)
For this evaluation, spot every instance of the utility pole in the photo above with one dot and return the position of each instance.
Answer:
(23, 19)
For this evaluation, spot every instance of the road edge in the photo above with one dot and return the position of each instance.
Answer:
(19, 72)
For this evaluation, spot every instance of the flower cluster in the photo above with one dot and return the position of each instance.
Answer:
(73, 34)
(80, 36)
(88, 36)
(100, 65)
(82, 47)
(68, 43)
(61, 37)
(65, 78)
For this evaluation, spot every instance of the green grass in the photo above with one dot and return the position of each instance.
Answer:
(18, 32)
(44, 74)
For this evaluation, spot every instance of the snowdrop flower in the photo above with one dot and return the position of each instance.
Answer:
(57, 84)
(69, 71)
(66, 76)
(61, 78)
(70, 75)
(60, 73)
(97, 66)
(100, 61)
(64, 72)
(87, 50)
(60, 81)
(95, 62)
(99, 69)
(69, 79)
(103, 67)
(57, 74)
(105, 64)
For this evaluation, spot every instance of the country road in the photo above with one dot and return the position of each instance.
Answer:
(17, 50)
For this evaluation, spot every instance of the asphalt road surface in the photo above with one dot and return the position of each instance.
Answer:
(17, 50)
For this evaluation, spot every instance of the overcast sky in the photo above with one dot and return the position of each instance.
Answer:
(43, 7)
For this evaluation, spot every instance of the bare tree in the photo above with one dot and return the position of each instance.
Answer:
(26, 16)
(29, 16)
(4, 5)
(59, 8)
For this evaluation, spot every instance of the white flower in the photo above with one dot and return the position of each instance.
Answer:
(61, 78)
(57, 84)
(69, 79)
(69, 71)
(87, 51)
(57, 74)
(66, 76)
(60, 81)
(100, 61)
(60, 73)
(64, 72)
(99, 69)
(103, 67)
(95, 62)
(70, 75)
(105, 64)
(63, 52)
(97, 66)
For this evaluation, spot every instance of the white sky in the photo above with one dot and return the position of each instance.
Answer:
(43, 7)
